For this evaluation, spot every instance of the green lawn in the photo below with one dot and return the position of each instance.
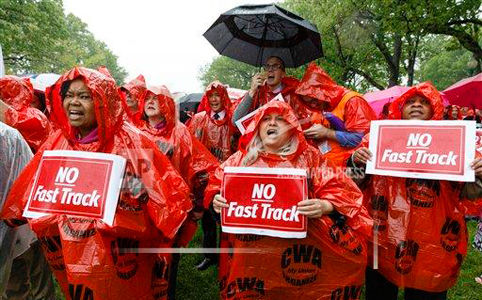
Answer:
(466, 287)
(193, 284)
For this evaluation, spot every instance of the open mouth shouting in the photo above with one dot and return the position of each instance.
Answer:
(75, 114)
(272, 132)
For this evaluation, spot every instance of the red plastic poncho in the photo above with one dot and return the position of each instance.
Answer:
(350, 107)
(136, 88)
(328, 264)
(30, 122)
(216, 135)
(188, 156)
(421, 228)
(87, 256)
(289, 85)
(450, 109)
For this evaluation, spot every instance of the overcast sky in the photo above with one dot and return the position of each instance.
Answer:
(160, 39)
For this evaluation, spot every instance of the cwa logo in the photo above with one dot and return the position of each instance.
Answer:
(79, 292)
(248, 237)
(450, 234)
(346, 293)
(160, 278)
(53, 251)
(344, 236)
(422, 192)
(300, 264)
(405, 256)
(79, 228)
(125, 259)
(378, 209)
(245, 287)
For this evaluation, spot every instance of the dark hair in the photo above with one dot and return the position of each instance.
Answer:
(41, 98)
(65, 88)
(279, 58)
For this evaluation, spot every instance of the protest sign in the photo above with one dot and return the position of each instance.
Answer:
(264, 201)
(76, 183)
(423, 149)
(478, 140)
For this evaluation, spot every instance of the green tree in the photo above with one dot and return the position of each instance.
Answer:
(458, 19)
(363, 48)
(450, 63)
(229, 71)
(234, 73)
(382, 42)
(37, 37)
(29, 32)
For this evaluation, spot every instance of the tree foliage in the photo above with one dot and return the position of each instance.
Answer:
(234, 73)
(380, 43)
(229, 71)
(37, 37)
(384, 42)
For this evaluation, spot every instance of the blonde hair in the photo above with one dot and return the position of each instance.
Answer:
(255, 147)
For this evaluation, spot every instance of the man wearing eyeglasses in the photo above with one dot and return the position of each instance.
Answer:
(265, 86)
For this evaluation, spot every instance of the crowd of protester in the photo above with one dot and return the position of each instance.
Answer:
(320, 126)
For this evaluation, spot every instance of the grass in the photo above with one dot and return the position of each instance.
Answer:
(466, 287)
(192, 284)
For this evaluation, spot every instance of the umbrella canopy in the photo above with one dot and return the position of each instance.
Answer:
(40, 82)
(467, 92)
(252, 33)
(190, 102)
(379, 98)
(188, 105)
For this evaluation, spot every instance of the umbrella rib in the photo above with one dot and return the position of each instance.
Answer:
(227, 44)
(263, 38)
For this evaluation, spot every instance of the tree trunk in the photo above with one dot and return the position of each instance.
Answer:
(411, 61)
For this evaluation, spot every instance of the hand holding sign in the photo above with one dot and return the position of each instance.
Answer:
(219, 202)
(362, 155)
(476, 165)
(312, 208)
(76, 183)
(315, 208)
(267, 203)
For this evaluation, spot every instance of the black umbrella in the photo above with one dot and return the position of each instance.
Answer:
(188, 103)
(252, 33)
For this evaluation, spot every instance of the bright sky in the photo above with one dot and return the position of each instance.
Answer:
(160, 39)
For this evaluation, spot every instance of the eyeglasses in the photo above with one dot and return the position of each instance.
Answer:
(272, 67)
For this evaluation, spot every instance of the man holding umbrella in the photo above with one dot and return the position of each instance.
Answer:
(267, 85)
(268, 36)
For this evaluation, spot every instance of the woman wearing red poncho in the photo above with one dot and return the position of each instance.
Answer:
(212, 124)
(422, 236)
(329, 263)
(85, 254)
(190, 158)
(453, 113)
(16, 95)
(344, 115)
(132, 99)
